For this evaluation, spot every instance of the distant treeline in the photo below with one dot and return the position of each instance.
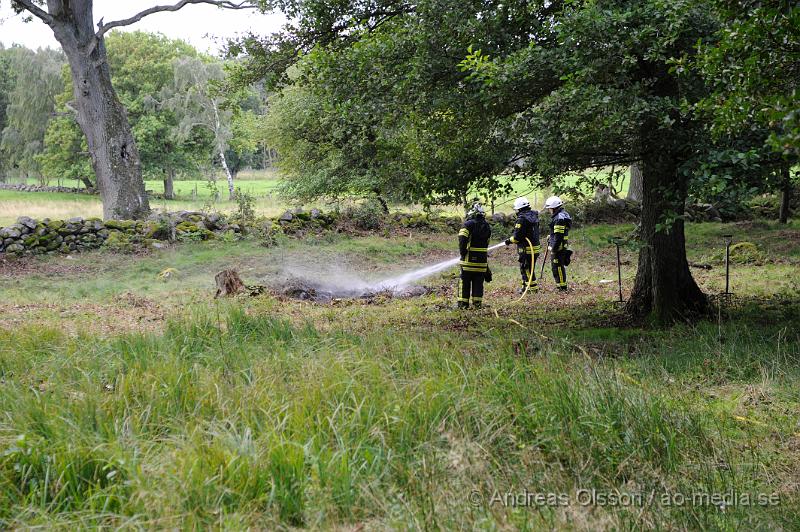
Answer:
(183, 122)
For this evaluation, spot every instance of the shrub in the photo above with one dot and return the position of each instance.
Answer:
(367, 215)
(768, 205)
(742, 253)
(245, 214)
(271, 234)
(600, 212)
(746, 253)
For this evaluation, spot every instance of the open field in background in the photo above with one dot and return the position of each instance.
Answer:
(14, 204)
(262, 185)
(139, 402)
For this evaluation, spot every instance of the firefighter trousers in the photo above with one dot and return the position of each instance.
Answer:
(559, 270)
(526, 263)
(470, 284)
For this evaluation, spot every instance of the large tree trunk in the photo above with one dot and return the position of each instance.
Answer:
(635, 192)
(169, 184)
(101, 116)
(786, 195)
(664, 287)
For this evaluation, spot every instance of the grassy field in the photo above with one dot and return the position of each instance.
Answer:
(135, 402)
(198, 195)
(261, 185)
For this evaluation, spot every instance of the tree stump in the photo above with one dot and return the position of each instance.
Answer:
(228, 283)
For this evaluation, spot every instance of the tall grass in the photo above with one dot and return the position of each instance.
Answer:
(235, 420)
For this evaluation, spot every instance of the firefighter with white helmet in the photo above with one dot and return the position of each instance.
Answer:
(558, 242)
(526, 237)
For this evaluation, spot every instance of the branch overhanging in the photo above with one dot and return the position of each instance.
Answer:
(34, 10)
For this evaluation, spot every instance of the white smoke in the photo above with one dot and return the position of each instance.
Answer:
(337, 277)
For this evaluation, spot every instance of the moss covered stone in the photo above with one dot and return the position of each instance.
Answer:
(121, 225)
(151, 230)
(187, 227)
(745, 253)
(117, 240)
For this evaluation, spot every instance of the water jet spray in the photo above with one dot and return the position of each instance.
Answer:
(395, 284)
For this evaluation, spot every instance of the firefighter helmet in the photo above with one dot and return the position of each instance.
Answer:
(521, 203)
(476, 210)
(553, 202)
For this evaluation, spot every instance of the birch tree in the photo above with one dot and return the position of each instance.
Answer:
(197, 105)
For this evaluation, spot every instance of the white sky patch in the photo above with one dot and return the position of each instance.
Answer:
(203, 26)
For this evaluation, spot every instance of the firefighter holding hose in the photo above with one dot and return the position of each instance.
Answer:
(473, 244)
(526, 237)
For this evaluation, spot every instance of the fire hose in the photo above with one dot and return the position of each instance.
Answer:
(530, 273)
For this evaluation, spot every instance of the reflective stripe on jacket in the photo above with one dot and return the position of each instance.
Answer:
(473, 243)
(559, 230)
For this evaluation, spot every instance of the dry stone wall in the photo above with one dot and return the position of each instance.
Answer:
(36, 237)
(43, 188)
(29, 236)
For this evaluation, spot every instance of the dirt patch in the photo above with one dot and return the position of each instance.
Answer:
(749, 225)
(128, 313)
(25, 266)
(66, 265)
(785, 241)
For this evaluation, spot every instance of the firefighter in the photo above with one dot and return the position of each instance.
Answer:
(473, 244)
(526, 237)
(558, 242)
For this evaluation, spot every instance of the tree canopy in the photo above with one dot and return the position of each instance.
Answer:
(197, 105)
(438, 96)
(100, 114)
(142, 73)
(34, 80)
(753, 69)
(384, 105)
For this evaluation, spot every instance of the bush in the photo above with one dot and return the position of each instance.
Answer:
(271, 234)
(245, 214)
(746, 253)
(367, 215)
(743, 253)
(588, 212)
(768, 205)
